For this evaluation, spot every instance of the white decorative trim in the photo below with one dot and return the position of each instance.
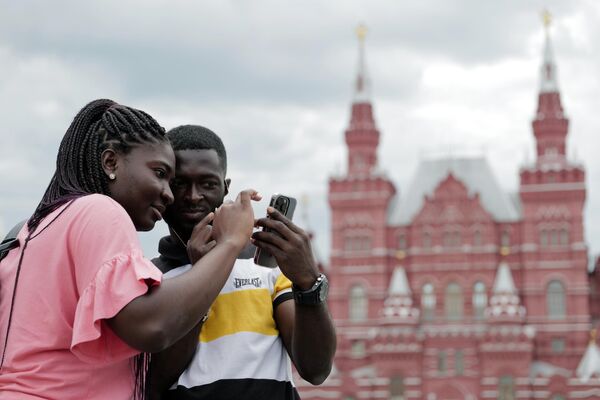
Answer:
(550, 187)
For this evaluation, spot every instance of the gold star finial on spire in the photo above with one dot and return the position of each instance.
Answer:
(361, 32)
(546, 19)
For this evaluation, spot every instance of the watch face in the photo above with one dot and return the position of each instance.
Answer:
(324, 290)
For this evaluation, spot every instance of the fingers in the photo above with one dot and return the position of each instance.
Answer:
(278, 216)
(208, 247)
(245, 196)
(270, 238)
(204, 222)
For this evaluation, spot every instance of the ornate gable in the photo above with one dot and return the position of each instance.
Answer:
(451, 203)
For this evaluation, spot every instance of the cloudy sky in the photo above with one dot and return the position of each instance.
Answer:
(274, 79)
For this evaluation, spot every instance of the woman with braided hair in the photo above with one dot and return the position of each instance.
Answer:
(80, 307)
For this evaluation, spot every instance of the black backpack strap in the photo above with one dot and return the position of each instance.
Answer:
(10, 241)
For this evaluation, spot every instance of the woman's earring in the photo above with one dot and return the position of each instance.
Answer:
(111, 176)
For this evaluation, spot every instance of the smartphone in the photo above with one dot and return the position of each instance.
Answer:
(286, 206)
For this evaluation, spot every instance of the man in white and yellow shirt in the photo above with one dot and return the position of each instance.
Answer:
(263, 318)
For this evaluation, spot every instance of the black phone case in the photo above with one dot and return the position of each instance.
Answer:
(263, 257)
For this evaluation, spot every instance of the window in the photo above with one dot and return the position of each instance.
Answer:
(402, 242)
(452, 239)
(428, 302)
(558, 345)
(454, 302)
(477, 241)
(459, 364)
(427, 240)
(555, 300)
(396, 388)
(441, 362)
(505, 239)
(553, 237)
(357, 242)
(564, 237)
(506, 389)
(358, 349)
(544, 238)
(479, 300)
(359, 303)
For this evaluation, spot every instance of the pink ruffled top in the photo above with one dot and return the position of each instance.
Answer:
(79, 272)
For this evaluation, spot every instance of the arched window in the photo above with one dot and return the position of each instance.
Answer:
(554, 237)
(454, 301)
(543, 238)
(506, 388)
(441, 361)
(459, 363)
(479, 300)
(359, 303)
(428, 302)
(396, 388)
(555, 300)
(402, 241)
(505, 239)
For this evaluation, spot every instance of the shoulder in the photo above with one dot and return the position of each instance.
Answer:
(99, 206)
(100, 216)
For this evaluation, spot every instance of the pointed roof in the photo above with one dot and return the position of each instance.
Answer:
(362, 86)
(475, 173)
(590, 362)
(399, 283)
(548, 79)
(505, 302)
(504, 281)
(398, 303)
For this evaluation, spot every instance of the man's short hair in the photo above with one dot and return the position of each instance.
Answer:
(196, 137)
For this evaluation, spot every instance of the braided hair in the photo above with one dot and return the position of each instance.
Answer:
(100, 125)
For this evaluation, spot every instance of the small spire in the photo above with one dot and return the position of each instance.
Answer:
(504, 281)
(362, 80)
(590, 362)
(505, 302)
(398, 303)
(399, 284)
(548, 79)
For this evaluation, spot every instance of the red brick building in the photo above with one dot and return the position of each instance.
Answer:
(457, 289)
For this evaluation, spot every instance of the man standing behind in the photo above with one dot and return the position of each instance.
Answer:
(261, 315)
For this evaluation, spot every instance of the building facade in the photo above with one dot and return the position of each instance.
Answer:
(459, 290)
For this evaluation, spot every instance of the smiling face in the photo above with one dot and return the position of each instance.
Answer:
(141, 183)
(199, 187)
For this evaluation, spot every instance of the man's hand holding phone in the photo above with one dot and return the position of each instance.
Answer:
(290, 246)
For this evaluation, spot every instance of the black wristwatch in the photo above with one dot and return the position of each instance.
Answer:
(317, 294)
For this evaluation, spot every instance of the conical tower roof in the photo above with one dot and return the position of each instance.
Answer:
(590, 362)
(505, 302)
(398, 303)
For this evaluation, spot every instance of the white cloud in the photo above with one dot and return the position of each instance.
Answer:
(274, 80)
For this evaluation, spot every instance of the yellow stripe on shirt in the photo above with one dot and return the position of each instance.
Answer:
(282, 283)
(240, 311)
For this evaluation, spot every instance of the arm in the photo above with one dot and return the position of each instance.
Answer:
(307, 331)
(167, 365)
(149, 323)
